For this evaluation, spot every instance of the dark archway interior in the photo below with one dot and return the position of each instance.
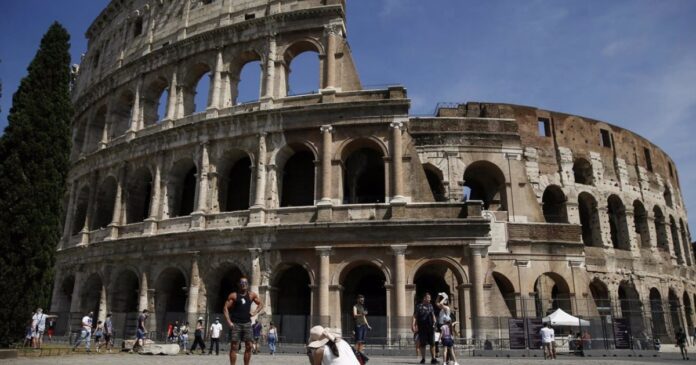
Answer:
(363, 180)
(507, 291)
(106, 199)
(91, 295)
(66, 292)
(124, 298)
(435, 183)
(659, 327)
(238, 185)
(298, 180)
(582, 171)
(675, 312)
(554, 205)
(589, 219)
(631, 307)
(486, 183)
(660, 230)
(640, 221)
(292, 302)
(171, 291)
(139, 195)
(80, 210)
(617, 223)
(229, 283)
(367, 280)
(188, 193)
(551, 292)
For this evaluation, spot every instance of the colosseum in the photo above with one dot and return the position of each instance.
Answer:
(512, 210)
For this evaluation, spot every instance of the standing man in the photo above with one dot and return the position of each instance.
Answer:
(361, 324)
(140, 331)
(85, 332)
(215, 331)
(108, 332)
(548, 341)
(423, 323)
(237, 310)
(38, 326)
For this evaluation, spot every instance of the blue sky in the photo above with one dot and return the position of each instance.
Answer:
(630, 63)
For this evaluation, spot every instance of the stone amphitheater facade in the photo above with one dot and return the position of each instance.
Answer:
(511, 210)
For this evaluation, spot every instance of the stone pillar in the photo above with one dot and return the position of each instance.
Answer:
(331, 33)
(269, 75)
(104, 140)
(76, 300)
(198, 216)
(192, 302)
(464, 314)
(143, 301)
(69, 212)
(255, 266)
(56, 304)
(397, 162)
(135, 112)
(171, 98)
(153, 217)
(117, 212)
(90, 207)
(402, 322)
(477, 278)
(216, 87)
(326, 154)
(324, 276)
(256, 211)
(103, 305)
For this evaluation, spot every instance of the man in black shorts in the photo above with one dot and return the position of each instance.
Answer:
(423, 323)
(237, 311)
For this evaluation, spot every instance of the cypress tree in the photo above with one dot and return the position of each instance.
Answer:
(34, 161)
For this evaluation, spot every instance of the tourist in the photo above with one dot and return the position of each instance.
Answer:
(170, 333)
(214, 333)
(548, 341)
(681, 342)
(361, 324)
(256, 332)
(108, 332)
(272, 338)
(98, 334)
(29, 333)
(85, 332)
(237, 311)
(140, 332)
(198, 336)
(423, 322)
(586, 340)
(38, 324)
(176, 331)
(51, 327)
(448, 343)
(326, 348)
(443, 314)
(183, 337)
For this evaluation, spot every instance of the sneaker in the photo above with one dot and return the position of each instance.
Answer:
(422, 361)
(434, 361)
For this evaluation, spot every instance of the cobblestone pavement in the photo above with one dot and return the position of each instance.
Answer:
(102, 359)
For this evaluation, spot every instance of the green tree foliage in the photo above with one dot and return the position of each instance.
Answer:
(34, 154)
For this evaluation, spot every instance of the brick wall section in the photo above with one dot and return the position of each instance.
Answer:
(567, 233)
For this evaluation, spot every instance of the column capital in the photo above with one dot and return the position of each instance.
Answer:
(522, 263)
(479, 250)
(327, 128)
(398, 249)
(323, 250)
(396, 125)
(254, 251)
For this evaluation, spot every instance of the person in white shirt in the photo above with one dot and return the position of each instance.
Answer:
(215, 330)
(85, 332)
(327, 348)
(548, 341)
(38, 326)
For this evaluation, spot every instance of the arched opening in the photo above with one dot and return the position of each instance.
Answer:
(554, 205)
(659, 328)
(660, 230)
(617, 223)
(234, 181)
(197, 89)
(640, 221)
(600, 295)
(486, 183)
(182, 188)
(80, 210)
(139, 193)
(124, 300)
(676, 244)
(668, 197)
(582, 171)
(631, 307)
(551, 292)
(434, 177)
(292, 303)
(302, 68)
(106, 198)
(675, 312)
(170, 297)
(228, 283)
(247, 86)
(368, 280)
(297, 181)
(91, 296)
(688, 310)
(154, 101)
(507, 292)
(67, 286)
(363, 176)
(96, 129)
(589, 219)
(121, 113)
(78, 139)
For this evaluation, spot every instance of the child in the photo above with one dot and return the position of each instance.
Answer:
(448, 343)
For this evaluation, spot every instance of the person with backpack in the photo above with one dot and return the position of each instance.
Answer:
(424, 324)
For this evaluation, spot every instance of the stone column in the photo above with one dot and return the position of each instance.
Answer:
(216, 87)
(143, 301)
(331, 33)
(104, 140)
(69, 212)
(397, 162)
(171, 98)
(117, 212)
(198, 216)
(192, 303)
(90, 207)
(476, 273)
(135, 112)
(267, 87)
(255, 266)
(402, 322)
(324, 276)
(75, 301)
(256, 211)
(326, 153)
(56, 304)
(151, 221)
(103, 305)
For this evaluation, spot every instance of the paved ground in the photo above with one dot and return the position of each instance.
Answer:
(113, 359)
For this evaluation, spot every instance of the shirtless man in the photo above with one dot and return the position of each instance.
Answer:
(237, 311)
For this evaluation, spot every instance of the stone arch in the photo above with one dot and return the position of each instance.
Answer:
(435, 181)
(247, 63)
(194, 77)
(170, 296)
(676, 244)
(582, 171)
(507, 291)
(368, 279)
(688, 310)
(554, 205)
(78, 138)
(65, 293)
(182, 188)
(224, 281)
(296, 49)
(589, 219)
(296, 180)
(234, 180)
(659, 329)
(551, 291)
(105, 200)
(631, 306)
(667, 195)
(454, 265)
(617, 223)
(363, 172)
(138, 195)
(675, 309)
(154, 93)
(600, 295)
(121, 113)
(125, 292)
(95, 129)
(687, 243)
(486, 182)
(81, 204)
(640, 221)
(292, 301)
(91, 295)
(660, 229)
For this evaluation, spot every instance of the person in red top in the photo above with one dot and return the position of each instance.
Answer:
(237, 311)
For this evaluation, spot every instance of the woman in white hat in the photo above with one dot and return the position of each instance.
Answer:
(327, 348)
